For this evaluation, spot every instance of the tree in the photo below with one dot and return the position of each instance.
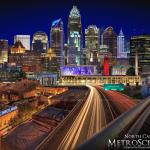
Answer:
(130, 71)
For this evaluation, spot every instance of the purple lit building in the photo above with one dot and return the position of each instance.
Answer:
(78, 70)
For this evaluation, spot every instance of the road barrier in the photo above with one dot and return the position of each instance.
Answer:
(116, 128)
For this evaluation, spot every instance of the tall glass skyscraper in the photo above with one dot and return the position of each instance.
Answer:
(57, 43)
(74, 37)
(120, 44)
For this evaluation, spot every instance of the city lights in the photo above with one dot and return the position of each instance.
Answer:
(74, 76)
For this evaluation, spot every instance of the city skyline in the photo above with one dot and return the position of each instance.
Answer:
(27, 19)
(74, 74)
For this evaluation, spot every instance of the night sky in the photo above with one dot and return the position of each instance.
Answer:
(29, 16)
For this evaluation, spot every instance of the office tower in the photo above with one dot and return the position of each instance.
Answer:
(40, 42)
(92, 37)
(74, 37)
(110, 39)
(140, 52)
(92, 44)
(51, 61)
(18, 48)
(4, 48)
(32, 62)
(3, 44)
(120, 44)
(24, 39)
(57, 43)
(15, 59)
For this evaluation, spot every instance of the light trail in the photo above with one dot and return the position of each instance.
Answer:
(110, 112)
(99, 109)
(121, 102)
(90, 120)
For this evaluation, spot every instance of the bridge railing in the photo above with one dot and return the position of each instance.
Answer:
(116, 128)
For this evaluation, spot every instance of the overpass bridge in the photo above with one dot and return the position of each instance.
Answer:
(99, 80)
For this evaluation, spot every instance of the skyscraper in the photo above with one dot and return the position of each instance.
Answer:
(3, 44)
(24, 39)
(92, 37)
(4, 49)
(110, 39)
(74, 37)
(140, 46)
(57, 43)
(40, 41)
(121, 45)
(92, 44)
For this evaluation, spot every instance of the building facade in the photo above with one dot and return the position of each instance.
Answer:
(109, 38)
(92, 45)
(57, 43)
(74, 37)
(40, 42)
(47, 79)
(24, 39)
(18, 48)
(4, 50)
(6, 116)
(32, 62)
(121, 45)
(92, 37)
(140, 52)
(3, 44)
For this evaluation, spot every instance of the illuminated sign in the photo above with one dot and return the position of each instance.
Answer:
(8, 110)
(57, 23)
(115, 87)
(78, 70)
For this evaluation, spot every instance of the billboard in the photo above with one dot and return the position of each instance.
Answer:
(78, 70)
(8, 110)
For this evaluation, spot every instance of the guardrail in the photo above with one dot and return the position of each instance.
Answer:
(115, 128)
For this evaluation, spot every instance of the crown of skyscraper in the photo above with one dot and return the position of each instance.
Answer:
(74, 13)
(121, 32)
(57, 23)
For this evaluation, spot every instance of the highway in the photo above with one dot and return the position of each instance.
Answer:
(90, 120)
(100, 108)
(134, 120)
(119, 102)
(92, 114)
